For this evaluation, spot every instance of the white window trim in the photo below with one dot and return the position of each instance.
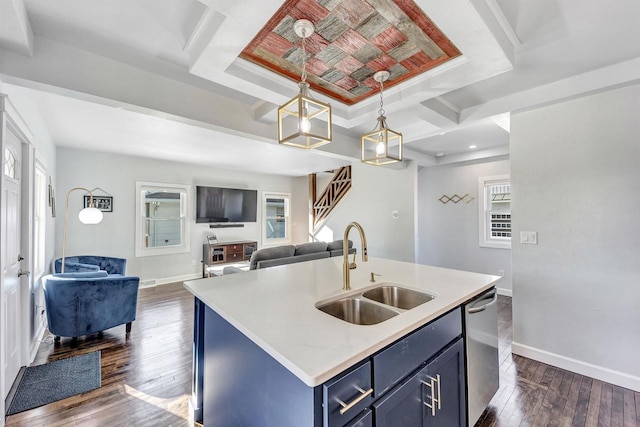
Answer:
(483, 234)
(39, 262)
(185, 207)
(287, 238)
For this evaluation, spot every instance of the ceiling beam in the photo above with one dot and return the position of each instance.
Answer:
(68, 71)
(499, 26)
(15, 28)
(236, 23)
(490, 154)
(621, 74)
(508, 30)
(439, 112)
(421, 159)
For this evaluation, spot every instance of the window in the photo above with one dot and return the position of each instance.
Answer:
(10, 162)
(162, 226)
(276, 224)
(495, 211)
(40, 219)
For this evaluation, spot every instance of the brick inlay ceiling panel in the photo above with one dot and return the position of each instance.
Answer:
(353, 39)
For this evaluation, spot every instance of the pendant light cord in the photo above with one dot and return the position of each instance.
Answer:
(381, 110)
(304, 58)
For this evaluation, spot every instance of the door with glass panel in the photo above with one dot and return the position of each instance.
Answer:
(11, 258)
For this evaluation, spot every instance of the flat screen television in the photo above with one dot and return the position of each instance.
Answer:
(216, 204)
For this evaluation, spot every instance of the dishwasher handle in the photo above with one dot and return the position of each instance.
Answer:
(473, 310)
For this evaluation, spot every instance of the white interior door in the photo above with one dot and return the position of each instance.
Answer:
(12, 313)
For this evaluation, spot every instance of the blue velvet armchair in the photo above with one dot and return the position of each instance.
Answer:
(88, 302)
(84, 263)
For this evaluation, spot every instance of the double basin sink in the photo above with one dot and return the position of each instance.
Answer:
(375, 305)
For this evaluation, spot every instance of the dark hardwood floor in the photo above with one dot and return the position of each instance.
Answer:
(146, 379)
(535, 394)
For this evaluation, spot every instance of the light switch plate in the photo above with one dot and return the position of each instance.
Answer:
(529, 237)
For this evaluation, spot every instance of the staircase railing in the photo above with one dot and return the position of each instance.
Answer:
(330, 197)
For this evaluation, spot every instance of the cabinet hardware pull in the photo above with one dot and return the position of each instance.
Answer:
(434, 400)
(432, 405)
(346, 407)
(439, 395)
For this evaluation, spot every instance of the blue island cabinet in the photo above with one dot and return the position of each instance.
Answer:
(236, 383)
(432, 397)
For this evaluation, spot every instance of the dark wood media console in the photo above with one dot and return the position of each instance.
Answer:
(226, 252)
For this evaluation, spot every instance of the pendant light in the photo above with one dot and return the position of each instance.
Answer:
(304, 122)
(382, 146)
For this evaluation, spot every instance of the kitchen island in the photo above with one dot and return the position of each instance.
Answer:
(265, 355)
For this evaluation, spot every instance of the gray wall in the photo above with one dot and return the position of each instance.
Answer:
(300, 210)
(576, 182)
(114, 236)
(375, 193)
(448, 233)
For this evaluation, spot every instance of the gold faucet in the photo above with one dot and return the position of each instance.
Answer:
(345, 253)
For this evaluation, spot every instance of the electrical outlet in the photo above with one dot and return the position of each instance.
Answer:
(501, 273)
(529, 237)
(193, 262)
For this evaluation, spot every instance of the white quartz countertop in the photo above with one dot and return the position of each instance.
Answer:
(276, 308)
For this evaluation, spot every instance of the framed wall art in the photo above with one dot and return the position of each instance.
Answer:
(104, 203)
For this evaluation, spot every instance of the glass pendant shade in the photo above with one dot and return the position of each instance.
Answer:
(304, 122)
(383, 146)
(90, 216)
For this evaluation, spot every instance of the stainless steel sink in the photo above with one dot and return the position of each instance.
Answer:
(396, 296)
(357, 311)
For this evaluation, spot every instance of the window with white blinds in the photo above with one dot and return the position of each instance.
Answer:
(276, 225)
(494, 216)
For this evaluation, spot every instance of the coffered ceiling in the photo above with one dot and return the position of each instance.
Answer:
(353, 40)
(179, 65)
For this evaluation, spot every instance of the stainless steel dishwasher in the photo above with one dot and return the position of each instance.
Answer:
(483, 377)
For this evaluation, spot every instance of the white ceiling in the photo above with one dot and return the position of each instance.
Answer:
(87, 125)
(162, 79)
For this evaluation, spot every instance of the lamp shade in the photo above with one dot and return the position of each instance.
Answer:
(382, 146)
(90, 216)
(304, 122)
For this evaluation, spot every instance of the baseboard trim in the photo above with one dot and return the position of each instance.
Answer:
(150, 283)
(35, 343)
(583, 368)
(505, 292)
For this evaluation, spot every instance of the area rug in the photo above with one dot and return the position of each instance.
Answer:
(57, 380)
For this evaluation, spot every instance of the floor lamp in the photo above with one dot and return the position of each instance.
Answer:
(90, 215)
